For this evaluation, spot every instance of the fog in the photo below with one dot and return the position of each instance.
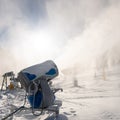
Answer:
(73, 33)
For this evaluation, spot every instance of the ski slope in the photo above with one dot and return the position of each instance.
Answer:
(93, 99)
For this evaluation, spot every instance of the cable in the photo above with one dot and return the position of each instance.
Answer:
(13, 113)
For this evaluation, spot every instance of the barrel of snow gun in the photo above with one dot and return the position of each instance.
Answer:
(47, 70)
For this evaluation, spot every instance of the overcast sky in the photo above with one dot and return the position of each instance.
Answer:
(66, 31)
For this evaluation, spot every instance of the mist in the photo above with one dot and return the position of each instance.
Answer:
(75, 33)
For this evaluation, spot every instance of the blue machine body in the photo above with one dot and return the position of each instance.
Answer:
(47, 69)
(35, 100)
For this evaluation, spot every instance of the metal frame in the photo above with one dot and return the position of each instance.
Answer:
(5, 76)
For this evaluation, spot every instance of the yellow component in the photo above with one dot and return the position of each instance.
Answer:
(11, 86)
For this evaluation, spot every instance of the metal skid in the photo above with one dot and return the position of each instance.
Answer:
(51, 109)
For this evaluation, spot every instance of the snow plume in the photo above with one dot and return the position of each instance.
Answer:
(71, 32)
(25, 38)
(100, 36)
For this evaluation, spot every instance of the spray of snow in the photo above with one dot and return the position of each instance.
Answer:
(75, 34)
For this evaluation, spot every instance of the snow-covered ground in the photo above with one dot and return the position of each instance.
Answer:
(93, 99)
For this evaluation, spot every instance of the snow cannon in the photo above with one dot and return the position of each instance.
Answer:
(35, 80)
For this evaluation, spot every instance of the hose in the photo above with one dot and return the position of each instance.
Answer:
(34, 90)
